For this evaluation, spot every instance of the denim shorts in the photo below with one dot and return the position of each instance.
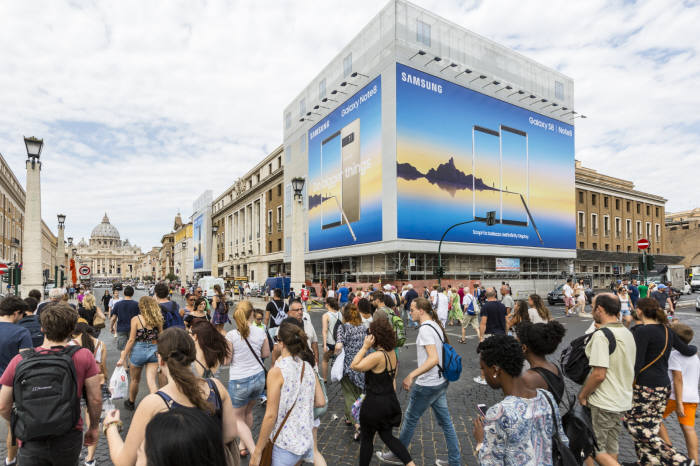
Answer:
(243, 391)
(282, 457)
(625, 312)
(122, 338)
(143, 353)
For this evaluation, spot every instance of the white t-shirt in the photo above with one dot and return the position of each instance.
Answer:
(366, 320)
(427, 336)
(112, 302)
(535, 316)
(243, 363)
(433, 294)
(330, 294)
(443, 306)
(568, 292)
(470, 299)
(690, 368)
(309, 329)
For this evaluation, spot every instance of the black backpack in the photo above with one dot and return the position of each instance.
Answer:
(574, 362)
(578, 426)
(561, 454)
(45, 391)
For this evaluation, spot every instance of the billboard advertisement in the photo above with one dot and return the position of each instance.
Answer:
(461, 154)
(507, 264)
(345, 179)
(198, 241)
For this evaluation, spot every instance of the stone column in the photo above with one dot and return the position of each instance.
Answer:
(214, 256)
(31, 235)
(60, 253)
(298, 272)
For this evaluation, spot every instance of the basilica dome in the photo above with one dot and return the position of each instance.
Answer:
(105, 230)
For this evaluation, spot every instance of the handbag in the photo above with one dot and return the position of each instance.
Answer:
(318, 412)
(99, 320)
(338, 365)
(266, 457)
(561, 454)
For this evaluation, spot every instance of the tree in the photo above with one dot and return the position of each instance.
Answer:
(171, 277)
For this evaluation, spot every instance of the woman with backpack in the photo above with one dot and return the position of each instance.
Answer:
(380, 411)
(142, 347)
(538, 341)
(654, 341)
(176, 352)
(220, 309)
(82, 336)
(521, 427)
(351, 336)
(330, 322)
(213, 350)
(247, 372)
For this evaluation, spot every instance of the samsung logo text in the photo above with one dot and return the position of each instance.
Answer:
(420, 82)
(320, 129)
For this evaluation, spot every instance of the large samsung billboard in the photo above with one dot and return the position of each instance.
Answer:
(198, 242)
(461, 154)
(345, 178)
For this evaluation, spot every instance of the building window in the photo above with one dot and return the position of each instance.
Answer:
(269, 246)
(269, 221)
(581, 222)
(605, 202)
(279, 189)
(627, 205)
(580, 197)
(347, 65)
(252, 275)
(269, 168)
(594, 224)
(593, 199)
(629, 248)
(617, 248)
(279, 161)
(639, 229)
(422, 32)
(279, 218)
(581, 245)
(606, 225)
(618, 227)
(279, 244)
(648, 210)
(617, 204)
(595, 246)
(639, 208)
(322, 89)
(658, 250)
(607, 247)
(595, 269)
(656, 211)
(648, 225)
(302, 107)
(287, 120)
(559, 90)
(269, 194)
(658, 232)
(629, 228)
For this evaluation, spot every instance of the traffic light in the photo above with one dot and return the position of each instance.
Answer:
(650, 262)
(18, 276)
(440, 272)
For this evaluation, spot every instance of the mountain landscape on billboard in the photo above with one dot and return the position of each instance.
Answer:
(446, 176)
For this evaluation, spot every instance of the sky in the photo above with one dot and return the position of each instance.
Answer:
(144, 105)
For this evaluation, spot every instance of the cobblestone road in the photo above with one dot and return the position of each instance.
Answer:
(335, 439)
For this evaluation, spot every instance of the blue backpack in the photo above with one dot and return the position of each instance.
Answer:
(451, 367)
(171, 317)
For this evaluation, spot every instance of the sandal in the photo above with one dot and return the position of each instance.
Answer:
(356, 434)
(243, 452)
(461, 340)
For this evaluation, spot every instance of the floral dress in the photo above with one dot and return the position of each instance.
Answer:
(455, 308)
(352, 337)
(518, 432)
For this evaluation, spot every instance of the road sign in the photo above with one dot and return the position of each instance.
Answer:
(643, 243)
(84, 270)
(3, 268)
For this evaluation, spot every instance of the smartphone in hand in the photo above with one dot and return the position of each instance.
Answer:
(481, 409)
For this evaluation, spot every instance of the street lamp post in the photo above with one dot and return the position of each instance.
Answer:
(214, 251)
(32, 275)
(60, 250)
(298, 272)
(490, 220)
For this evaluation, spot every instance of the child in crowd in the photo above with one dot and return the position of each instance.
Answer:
(684, 372)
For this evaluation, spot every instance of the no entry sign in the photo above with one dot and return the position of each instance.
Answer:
(643, 243)
(84, 270)
(3, 268)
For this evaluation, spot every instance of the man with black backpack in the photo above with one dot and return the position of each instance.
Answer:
(46, 385)
(169, 309)
(607, 390)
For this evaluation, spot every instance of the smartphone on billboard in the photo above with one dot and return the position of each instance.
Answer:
(514, 176)
(486, 166)
(350, 149)
(331, 176)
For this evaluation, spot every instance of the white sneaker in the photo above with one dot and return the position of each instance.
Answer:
(441, 463)
(479, 380)
(388, 457)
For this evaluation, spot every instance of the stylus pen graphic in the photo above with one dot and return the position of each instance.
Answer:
(342, 212)
(528, 214)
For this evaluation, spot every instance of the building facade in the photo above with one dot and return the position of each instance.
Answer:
(106, 254)
(683, 235)
(166, 256)
(48, 253)
(611, 216)
(182, 257)
(148, 264)
(250, 223)
(12, 198)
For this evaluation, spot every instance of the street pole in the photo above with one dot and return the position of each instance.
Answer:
(490, 220)
(644, 261)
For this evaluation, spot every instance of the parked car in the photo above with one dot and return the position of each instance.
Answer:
(686, 288)
(697, 304)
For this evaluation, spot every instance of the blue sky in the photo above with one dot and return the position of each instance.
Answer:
(144, 105)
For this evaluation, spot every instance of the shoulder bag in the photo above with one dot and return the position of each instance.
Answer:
(266, 457)
(561, 454)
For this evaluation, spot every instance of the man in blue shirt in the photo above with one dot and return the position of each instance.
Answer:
(633, 292)
(343, 294)
(13, 338)
(122, 312)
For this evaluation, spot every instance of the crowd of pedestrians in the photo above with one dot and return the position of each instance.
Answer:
(640, 368)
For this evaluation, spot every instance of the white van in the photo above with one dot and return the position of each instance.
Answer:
(207, 285)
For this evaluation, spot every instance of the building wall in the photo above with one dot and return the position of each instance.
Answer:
(182, 254)
(166, 255)
(48, 252)
(12, 198)
(683, 235)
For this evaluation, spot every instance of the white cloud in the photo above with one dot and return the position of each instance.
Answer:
(144, 105)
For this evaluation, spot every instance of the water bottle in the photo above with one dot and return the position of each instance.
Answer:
(107, 404)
